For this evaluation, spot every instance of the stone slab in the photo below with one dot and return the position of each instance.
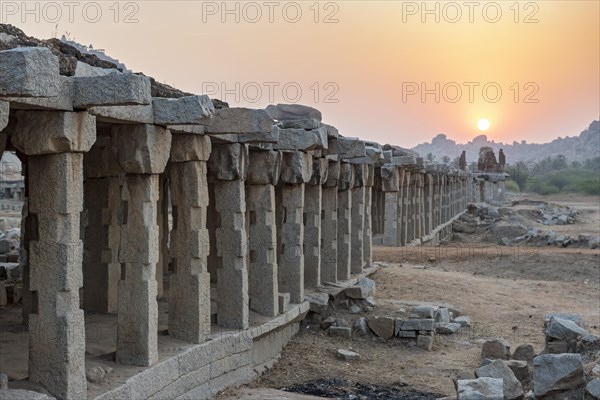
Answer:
(239, 120)
(115, 89)
(182, 111)
(29, 72)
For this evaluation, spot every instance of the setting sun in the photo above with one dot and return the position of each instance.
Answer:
(483, 124)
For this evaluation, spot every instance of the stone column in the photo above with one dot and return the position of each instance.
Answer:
(54, 142)
(345, 183)
(368, 230)
(189, 294)
(428, 203)
(143, 151)
(296, 169)
(313, 194)
(164, 256)
(263, 173)
(357, 260)
(390, 177)
(329, 223)
(407, 216)
(228, 166)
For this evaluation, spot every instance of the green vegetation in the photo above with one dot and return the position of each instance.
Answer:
(554, 175)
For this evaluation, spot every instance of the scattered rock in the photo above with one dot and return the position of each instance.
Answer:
(382, 326)
(593, 388)
(362, 290)
(425, 342)
(442, 315)
(463, 320)
(95, 374)
(558, 376)
(354, 309)
(480, 389)
(447, 328)
(347, 355)
(519, 368)
(360, 326)
(498, 369)
(496, 349)
(564, 329)
(326, 323)
(319, 302)
(340, 331)
(524, 352)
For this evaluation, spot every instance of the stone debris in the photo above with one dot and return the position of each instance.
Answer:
(519, 368)
(347, 355)
(447, 328)
(558, 376)
(340, 331)
(480, 389)
(593, 389)
(95, 374)
(498, 369)
(496, 349)
(565, 335)
(364, 289)
(319, 302)
(524, 352)
(360, 326)
(463, 320)
(383, 327)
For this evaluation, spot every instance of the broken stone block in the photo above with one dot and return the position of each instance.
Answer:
(463, 320)
(390, 177)
(406, 334)
(239, 120)
(229, 162)
(182, 111)
(332, 131)
(442, 315)
(519, 368)
(524, 352)
(301, 140)
(319, 302)
(29, 72)
(498, 369)
(22, 394)
(347, 355)
(558, 376)
(417, 325)
(284, 112)
(564, 329)
(593, 389)
(51, 132)
(115, 89)
(496, 349)
(306, 123)
(421, 312)
(190, 148)
(360, 326)
(425, 342)
(264, 167)
(480, 389)
(346, 177)
(382, 326)
(142, 149)
(447, 328)
(284, 302)
(363, 289)
(340, 331)
(296, 167)
(320, 170)
(347, 147)
(4, 108)
(143, 114)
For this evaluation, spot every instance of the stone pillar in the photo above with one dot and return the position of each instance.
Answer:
(54, 142)
(143, 151)
(296, 169)
(164, 256)
(390, 178)
(428, 203)
(357, 260)
(26, 229)
(368, 230)
(329, 223)
(345, 183)
(407, 215)
(228, 166)
(263, 173)
(189, 294)
(313, 194)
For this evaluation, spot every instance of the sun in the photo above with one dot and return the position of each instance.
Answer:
(483, 124)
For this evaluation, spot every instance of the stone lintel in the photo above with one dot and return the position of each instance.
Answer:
(228, 162)
(264, 167)
(142, 149)
(29, 72)
(296, 168)
(190, 148)
(115, 89)
(188, 110)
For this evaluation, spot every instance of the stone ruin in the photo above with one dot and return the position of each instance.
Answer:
(227, 215)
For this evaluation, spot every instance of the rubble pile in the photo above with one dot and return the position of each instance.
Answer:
(556, 215)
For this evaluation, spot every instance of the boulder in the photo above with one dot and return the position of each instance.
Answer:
(498, 369)
(524, 352)
(496, 349)
(382, 326)
(564, 329)
(519, 368)
(480, 389)
(95, 374)
(558, 376)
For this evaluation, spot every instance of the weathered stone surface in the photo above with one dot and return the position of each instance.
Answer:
(296, 167)
(319, 302)
(497, 369)
(480, 389)
(360, 326)
(307, 123)
(447, 328)
(519, 368)
(390, 178)
(496, 349)
(22, 394)
(143, 149)
(341, 331)
(116, 89)
(123, 114)
(558, 376)
(347, 355)
(188, 129)
(382, 326)
(320, 170)
(346, 147)
(284, 112)
(346, 177)
(363, 289)
(190, 148)
(300, 139)
(420, 312)
(415, 324)
(239, 120)
(29, 72)
(563, 329)
(4, 108)
(284, 302)
(425, 342)
(95, 374)
(264, 167)
(182, 111)
(524, 352)
(463, 320)
(229, 162)
(332, 131)
(593, 389)
(51, 132)
(62, 101)
(312, 233)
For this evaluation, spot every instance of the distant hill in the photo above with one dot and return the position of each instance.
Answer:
(582, 147)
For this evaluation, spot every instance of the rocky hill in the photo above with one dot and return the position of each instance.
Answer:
(582, 147)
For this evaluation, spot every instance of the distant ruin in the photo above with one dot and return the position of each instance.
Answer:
(266, 204)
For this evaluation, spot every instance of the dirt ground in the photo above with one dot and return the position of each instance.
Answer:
(506, 291)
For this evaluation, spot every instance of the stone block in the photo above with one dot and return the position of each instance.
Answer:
(341, 331)
(115, 89)
(346, 177)
(51, 132)
(188, 129)
(142, 149)
(284, 302)
(480, 389)
(148, 382)
(190, 148)
(390, 178)
(300, 139)
(229, 162)
(23, 394)
(296, 167)
(496, 349)
(564, 329)
(333, 174)
(519, 368)
(593, 389)
(422, 312)
(319, 302)
(123, 114)
(347, 147)
(4, 108)
(382, 326)
(447, 328)
(364, 289)
(320, 169)
(284, 112)
(264, 167)
(417, 325)
(558, 376)
(498, 369)
(306, 123)
(239, 120)
(29, 72)
(182, 111)
(425, 342)
(463, 320)
(62, 101)
(524, 352)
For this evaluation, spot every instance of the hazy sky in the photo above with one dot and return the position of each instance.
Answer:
(393, 71)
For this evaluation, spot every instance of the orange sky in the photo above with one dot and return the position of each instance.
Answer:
(365, 62)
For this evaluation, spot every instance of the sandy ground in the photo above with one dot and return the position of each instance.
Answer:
(506, 291)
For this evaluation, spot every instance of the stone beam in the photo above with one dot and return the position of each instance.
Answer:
(182, 111)
(115, 89)
(29, 72)
(300, 139)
